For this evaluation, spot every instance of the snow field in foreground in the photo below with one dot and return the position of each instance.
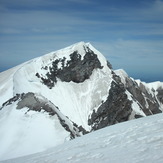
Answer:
(23, 134)
(136, 141)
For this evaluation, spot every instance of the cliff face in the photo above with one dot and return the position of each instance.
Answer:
(117, 107)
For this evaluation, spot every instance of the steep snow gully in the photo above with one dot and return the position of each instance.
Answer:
(66, 94)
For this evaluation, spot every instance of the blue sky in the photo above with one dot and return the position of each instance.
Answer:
(128, 32)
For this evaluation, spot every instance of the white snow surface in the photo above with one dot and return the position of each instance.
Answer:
(136, 141)
(23, 133)
(155, 85)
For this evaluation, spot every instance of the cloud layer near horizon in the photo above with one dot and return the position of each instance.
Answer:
(129, 33)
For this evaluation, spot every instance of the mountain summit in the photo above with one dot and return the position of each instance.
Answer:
(66, 94)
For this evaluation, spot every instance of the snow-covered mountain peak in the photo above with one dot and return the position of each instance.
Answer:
(81, 48)
(65, 52)
(74, 90)
(75, 63)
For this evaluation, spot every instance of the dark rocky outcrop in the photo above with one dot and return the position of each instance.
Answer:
(32, 102)
(76, 69)
(11, 100)
(160, 94)
(76, 131)
(117, 108)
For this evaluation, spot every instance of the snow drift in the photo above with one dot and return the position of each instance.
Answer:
(137, 141)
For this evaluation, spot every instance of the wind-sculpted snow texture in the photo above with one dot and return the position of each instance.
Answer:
(137, 141)
(73, 91)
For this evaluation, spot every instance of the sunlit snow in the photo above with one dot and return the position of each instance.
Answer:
(136, 141)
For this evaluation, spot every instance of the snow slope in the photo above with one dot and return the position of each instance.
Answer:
(136, 141)
(23, 133)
